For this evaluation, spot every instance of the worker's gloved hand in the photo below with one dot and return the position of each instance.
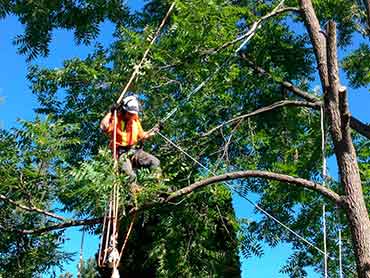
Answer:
(155, 129)
(113, 107)
(158, 127)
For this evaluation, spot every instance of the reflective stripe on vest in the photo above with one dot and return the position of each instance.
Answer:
(135, 133)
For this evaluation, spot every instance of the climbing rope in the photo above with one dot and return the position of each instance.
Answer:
(138, 66)
(127, 236)
(324, 184)
(80, 264)
(340, 252)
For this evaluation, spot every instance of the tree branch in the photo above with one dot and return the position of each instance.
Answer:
(271, 107)
(72, 223)
(360, 127)
(287, 85)
(31, 209)
(355, 123)
(299, 182)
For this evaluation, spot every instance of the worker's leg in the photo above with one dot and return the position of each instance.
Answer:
(146, 160)
(126, 167)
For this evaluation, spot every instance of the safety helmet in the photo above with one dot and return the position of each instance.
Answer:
(131, 104)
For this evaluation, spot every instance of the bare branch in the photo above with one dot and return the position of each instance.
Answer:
(31, 209)
(59, 226)
(360, 127)
(299, 182)
(265, 109)
(355, 123)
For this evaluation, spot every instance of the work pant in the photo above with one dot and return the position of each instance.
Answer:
(134, 159)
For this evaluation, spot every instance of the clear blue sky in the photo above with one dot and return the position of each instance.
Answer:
(19, 103)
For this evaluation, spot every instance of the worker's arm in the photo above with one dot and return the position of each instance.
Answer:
(105, 123)
(147, 134)
(150, 133)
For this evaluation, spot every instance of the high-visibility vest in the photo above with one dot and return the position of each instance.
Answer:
(123, 137)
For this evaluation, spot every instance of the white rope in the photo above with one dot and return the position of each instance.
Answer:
(247, 199)
(324, 236)
(340, 253)
(138, 66)
(80, 264)
(324, 184)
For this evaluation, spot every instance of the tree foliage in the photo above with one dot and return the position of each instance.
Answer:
(199, 235)
(41, 18)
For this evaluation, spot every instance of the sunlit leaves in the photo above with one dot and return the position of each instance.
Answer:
(357, 66)
(41, 18)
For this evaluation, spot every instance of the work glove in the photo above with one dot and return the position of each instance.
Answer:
(113, 107)
(158, 127)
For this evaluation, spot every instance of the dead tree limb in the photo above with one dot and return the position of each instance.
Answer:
(275, 12)
(31, 208)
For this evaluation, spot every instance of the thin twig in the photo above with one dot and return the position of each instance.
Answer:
(268, 108)
(72, 223)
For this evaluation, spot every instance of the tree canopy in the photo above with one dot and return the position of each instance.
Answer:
(258, 111)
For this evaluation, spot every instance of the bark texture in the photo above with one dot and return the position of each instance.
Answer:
(337, 112)
(367, 6)
(336, 103)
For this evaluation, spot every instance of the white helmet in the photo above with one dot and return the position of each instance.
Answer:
(131, 104)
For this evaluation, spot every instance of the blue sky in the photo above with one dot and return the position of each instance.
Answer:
(18, 102)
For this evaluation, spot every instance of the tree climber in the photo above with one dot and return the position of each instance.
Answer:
(129, 133)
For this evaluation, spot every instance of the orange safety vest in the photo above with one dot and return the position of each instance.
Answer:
(129, 131)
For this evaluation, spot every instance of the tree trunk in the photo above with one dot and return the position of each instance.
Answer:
(367, 7)
(337, 110)
(336, 104)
